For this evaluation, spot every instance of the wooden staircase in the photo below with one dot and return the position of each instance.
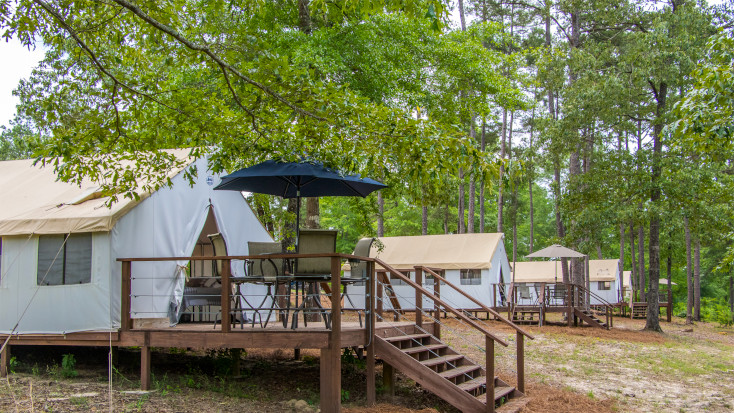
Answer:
(444, 372)
(527, 316)
(590, 318)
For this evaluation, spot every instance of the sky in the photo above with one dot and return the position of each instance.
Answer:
(18, 62)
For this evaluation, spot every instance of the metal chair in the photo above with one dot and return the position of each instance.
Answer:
(219, 247)
(313, 270)
(358, 271)
(269, 272)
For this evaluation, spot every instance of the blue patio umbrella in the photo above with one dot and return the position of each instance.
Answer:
(296, 180)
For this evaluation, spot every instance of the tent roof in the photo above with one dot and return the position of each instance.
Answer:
(35, 202)
(545, 271)
(448, 252)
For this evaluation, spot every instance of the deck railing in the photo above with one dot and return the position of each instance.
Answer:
(331, 390)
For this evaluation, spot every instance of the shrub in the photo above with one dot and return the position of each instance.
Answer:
(68, 366)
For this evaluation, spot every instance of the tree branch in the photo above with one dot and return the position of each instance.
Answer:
(222, 64)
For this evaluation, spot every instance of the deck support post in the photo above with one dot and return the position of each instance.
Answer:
(125, 296)
(5, 360)
(370, 320)
(226, 299)
(145, 363)
(490, 373)
(520, 362)
(330, 365)
(388, 378)
(419, 297)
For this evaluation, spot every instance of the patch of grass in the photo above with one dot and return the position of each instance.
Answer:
(80, 402)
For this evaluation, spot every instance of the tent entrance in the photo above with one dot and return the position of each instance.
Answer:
(201, 281)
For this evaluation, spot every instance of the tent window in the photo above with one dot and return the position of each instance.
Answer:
(471, 277)
(62, 262)
(604, 285)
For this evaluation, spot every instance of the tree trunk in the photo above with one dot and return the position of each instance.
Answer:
(697, 280)
(633, 276)
(483, 146)
(641, 261)
(481, 182)
(621, 258)
(304, 16)
(424, 220)
(598, 252)
(313, 220)
(574, 170)
(380, 215)
(472, 184)
(689, 273)
(446, 220)
(461, 228)
(500, 187)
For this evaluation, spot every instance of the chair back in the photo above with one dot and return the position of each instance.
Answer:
(268, 269)
(315, 241)
(362, 249)
(219, 246)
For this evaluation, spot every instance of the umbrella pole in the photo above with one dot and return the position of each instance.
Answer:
(298, 218)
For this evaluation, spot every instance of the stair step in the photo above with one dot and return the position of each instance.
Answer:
(441, 360)
(410, 337)
(472, 384)
(498, 393)
(420, 349)
(458, 371)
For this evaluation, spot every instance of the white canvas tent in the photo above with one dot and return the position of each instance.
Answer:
(603, 277)
(166, 223)
(472, 261)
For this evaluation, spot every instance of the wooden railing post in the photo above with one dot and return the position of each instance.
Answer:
(436, 308)
(226, 296)
(418, 297)
(380, 296)
(330, 363)
(125, 296)
(520, 362)
(490, 373)
(5, 359)
(371, 319)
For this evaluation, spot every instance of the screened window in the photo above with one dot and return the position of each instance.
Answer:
(64, 259)
(604, 285)
(428, 279)
(471, 277)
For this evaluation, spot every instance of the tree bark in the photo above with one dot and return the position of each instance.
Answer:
(633, 276)
(641, 261)
(481, 185)
(424, 220)
(313, 220)
(380, 215)
(472, 184)
(697, 280)
(621, 258)
(689, 272)
(461, 228)
(500, 187)
(304, 16)
(530, 183)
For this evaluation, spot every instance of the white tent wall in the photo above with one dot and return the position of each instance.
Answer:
(167, 225)
(482, 292)
(52, 309)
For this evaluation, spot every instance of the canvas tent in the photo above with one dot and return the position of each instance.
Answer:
(472, 261)
(58, 284)
(603, 277)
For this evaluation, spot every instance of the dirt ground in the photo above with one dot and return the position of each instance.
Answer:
(568, 370)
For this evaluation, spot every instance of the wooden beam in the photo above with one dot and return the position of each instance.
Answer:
(330, 363)
(5, 360)
(125, 296)
(490, 372)
(520, 362)
(226, 291)
(388, 378)
(418, 297)
(437, 308)
(370, 321)
(145, 364)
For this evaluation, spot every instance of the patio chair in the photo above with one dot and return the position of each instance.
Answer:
(269, 272)
(358, 271)
(314, 270)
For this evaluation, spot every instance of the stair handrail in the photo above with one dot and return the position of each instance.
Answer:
(479, 303)
(447, 307)
(609, 309)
